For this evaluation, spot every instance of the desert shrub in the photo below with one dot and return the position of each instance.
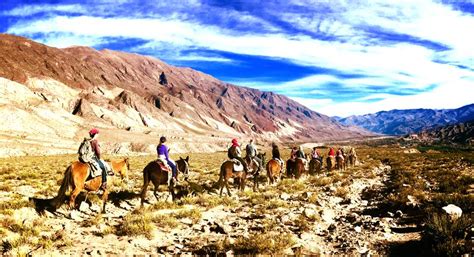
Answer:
(136, 224)
(165, 221)
(193, 214)
(445, 237)
(269, 243)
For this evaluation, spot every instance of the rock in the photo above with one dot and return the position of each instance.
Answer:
(453, 211)
(358, 229)
(187, 221)
(285, 196)
(412, 201)
(75, 215)
(95, 208)
(309, 213)
(220, 228)
(25, 216)
(328, 215)
(84, 207)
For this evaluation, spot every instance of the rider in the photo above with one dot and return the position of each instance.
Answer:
(235, 153)
(162, 151)
(331, 152)
(316, 155)
(340, 153)
(300, 153)
(94, 134)
(251, 150)
(276, 154)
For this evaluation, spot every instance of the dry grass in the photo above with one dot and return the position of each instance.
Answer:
(266, 243)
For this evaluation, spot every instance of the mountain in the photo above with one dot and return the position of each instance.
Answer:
(400, 122)
(51, 97)
(460, 133)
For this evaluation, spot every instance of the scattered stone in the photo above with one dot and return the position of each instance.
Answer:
(95, 208)
(84, 207)
(285, 196)
(75, 215)
(309, 213)
(358, 229)
(328, 215)
(412, 201)
(453, 211)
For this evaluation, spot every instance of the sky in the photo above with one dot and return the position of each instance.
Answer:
(337, 57)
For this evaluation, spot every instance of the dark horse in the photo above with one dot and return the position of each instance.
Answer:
(154, 173)
(255, 168)
(76, 176)
(315, 166)
(295, 168)
(331, 163)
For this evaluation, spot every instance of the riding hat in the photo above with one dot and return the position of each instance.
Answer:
(93, 131)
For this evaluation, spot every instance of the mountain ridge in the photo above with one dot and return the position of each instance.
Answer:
(124, 92)
(401, 122)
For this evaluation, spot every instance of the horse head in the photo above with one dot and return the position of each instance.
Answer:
(183, 166)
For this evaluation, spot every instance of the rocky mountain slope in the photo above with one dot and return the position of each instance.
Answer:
(460, 133)
(51, 96)
(400, 122)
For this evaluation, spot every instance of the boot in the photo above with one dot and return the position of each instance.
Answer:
(104, 186)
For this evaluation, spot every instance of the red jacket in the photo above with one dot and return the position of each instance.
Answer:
(331, 152)
(96, 148)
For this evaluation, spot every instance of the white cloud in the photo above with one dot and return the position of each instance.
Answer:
(28, 10)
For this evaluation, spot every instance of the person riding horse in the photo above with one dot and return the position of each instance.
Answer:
(276, 154)
(234, 152)
(251, 150)
(162, 151)
(331, 153)
(316, 155)
(94, 134)
(340, 153)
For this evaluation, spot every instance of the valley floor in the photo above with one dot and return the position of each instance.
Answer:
(380, 206)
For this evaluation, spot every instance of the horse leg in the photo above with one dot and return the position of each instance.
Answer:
(72, 198)
(105, 196)
(226, 183)
(143, 193)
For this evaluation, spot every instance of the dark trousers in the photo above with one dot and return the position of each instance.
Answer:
(241, 160)
(102, 167)
(174, 170)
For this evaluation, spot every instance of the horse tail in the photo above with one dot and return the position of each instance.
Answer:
(59, 199)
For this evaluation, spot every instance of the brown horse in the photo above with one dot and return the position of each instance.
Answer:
(314, 166)
(227, 172)
(340, 163)
(76, 175)
(295, 168)
(154, 173)
(330, 163)
(274, 168)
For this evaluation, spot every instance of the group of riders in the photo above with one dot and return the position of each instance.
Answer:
(234, 153)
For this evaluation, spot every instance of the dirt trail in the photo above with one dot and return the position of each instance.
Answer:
(326, 219)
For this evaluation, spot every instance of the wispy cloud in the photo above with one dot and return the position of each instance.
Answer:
(362, 53)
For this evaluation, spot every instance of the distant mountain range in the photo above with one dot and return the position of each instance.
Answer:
(50, 97)
(401, 122)
(461, 133)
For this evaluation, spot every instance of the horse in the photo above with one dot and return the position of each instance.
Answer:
(295, 168)
(254, 167)
(154, 173)
(274, 168)
(314, 166)
(340, 163)
(352, 157)
(330, 163)
(227, 172)
(76, 175)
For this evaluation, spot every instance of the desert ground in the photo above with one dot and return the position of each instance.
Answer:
(389, 203)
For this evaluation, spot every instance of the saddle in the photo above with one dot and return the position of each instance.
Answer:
(96, 171)
(237, 165)
(164, 166)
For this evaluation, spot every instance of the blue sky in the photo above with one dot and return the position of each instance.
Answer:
(336, 57)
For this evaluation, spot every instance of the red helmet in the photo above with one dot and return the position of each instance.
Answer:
(93, 131)
(234, 141)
